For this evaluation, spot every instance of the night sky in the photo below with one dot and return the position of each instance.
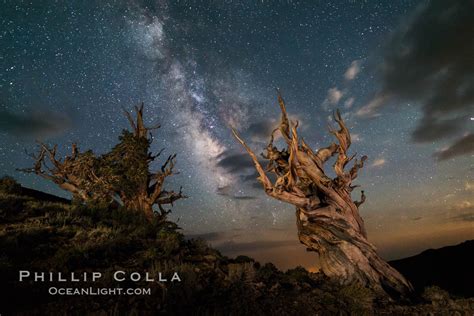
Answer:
(401, 72)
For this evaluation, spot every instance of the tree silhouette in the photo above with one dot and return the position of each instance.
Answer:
(328, 220)
(122, 176)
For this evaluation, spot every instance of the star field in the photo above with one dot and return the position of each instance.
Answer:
(69, 68)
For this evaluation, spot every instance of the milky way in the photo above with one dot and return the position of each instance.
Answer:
(68, 71)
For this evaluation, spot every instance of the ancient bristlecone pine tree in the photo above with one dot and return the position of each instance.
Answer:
(119, 177)
(327, 218)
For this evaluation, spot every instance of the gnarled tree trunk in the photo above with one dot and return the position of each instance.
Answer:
(345, 254)
(328, 220)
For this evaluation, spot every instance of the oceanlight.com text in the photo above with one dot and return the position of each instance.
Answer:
(98, 291)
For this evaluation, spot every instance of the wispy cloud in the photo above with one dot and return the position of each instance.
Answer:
(370, 110)
(334, 95)
(349, 102)
(463, 205)
(379, 162)
(243, 247)
(227, 192)
(465, 217)
(356, 138)
(462, 146)
(427, 61)
(33, 124)
(352, 71)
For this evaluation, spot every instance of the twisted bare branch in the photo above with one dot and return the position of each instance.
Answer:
(300, 170)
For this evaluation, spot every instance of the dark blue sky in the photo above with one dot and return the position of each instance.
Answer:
(69, 67)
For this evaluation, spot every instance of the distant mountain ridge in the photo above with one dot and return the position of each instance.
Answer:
(451, 268)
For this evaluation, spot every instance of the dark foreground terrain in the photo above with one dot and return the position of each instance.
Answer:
(40, 233)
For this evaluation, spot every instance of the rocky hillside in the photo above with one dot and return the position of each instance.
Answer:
(449, 268)
(40, 235)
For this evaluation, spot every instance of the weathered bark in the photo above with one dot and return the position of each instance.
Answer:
(347, 255)
(328, 220)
